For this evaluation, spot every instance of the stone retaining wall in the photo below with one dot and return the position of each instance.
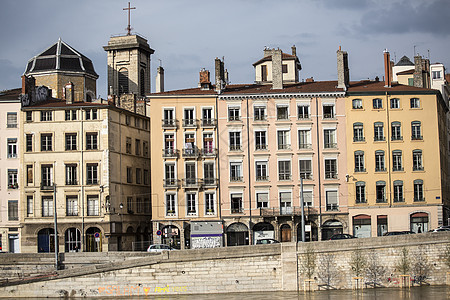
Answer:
(278, 267)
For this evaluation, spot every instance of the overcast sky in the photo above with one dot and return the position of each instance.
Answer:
(188, 35)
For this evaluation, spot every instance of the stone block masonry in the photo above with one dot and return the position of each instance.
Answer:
(259, 268)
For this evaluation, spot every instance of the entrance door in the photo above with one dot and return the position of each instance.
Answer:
(14, 243)
(286, 233)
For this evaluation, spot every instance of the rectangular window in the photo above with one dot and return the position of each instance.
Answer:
(71, 174)
(168, 118)
(13, 210)
(138, 175)
(261, 171)
(284, 170)
(91, 141)
(397, 164)
(329, 138)
(11, 120)
(359, 161)
(307, 198)
(129, 175)
(283, 139)
(47, 206)
(207, 117)
(72, 205)
(377, 103)
(416, 131)
(260, 140)
(304, 139)
(233, 114)
(46, 142)
(12, 179)
(361, 192)
(332, 200)
(139, 205)
(395, 103)
(235, 140)
(282, 112)
(379, 161)
(305, 166)
(146, 177)
(260, 113)
(12, 148)
(285, 203)
(436, 74)
(91, 114)
(330, 169)
(381, 191)
(91, 172)
(236, 171)
(92, 205)
(418, 190)
(29, 174)
(263, 73)
(284, 68)
(29, 143)
(191, 174)
(191, 201)
(170, 204)
(128, 145)
(378, 131)
(396, 131)
(169, 175)
(208, 173)
(46, 115)
(236, 203)
(130, 205)
(358, 132)
(145, 148)
(415, 103)
(262, 200)
(137, 148)
(30, 205)
(209, 204)
(137, 122)
(398, 191)
(189, 118)
(70, 114)
(417, 160)
(47, 175)
(303, 112)
(71, 141)
(328, 111)
(29, 116)
(357, 104)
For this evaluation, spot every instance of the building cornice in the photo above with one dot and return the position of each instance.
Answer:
(282, 96)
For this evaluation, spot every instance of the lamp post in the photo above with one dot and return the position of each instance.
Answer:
(119, 239)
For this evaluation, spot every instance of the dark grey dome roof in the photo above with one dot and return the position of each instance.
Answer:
(60, 57)
(404, 61)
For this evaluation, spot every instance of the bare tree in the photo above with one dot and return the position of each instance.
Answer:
(327, 271)
(358, 262)
(403, 265)
(375, 271)
(421, 267)
(308, 262)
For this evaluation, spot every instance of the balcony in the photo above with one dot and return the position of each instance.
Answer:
(210, 182)
(359, 139)
(235, 147)
(190, 152)
(379, 139)
(11, 125)
(237, 210)
(13, 186)
(46, 186)
(209, 152)
(236, 178)
(330, 145)
(170, 153)
(360, 169)
(332, 207)
(286, 211)
(233, 118)
(284, 146)
(170, 183)
(190, 123)
(284, 177)
(330, 175)
(209, 122)
(260, 118)
(396, 138)
(262, 178)
(169, 123)
(261, 147)
(305, 146)
(72, 182)
(416, 137)
(306, 175)
(192, 183)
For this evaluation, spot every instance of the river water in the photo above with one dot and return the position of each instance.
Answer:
(414, 293)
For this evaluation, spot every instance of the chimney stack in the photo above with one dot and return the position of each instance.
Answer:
(205, 83)
(219, 74)
(160, 80)
(342, 69)
(387, 69)
(69, 93)
(277, 70)
(418, 76)
(294, 50)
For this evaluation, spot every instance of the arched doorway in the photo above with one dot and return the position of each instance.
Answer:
(310, 231)
(263, 230)
(285, 233)
(362, 226)
(72, 239)
(419, 222)
(93, 240)
(46, 240)
(171, 236)
(331, 227)
(237, 234)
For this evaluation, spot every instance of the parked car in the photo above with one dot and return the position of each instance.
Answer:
(444, 226)
(440, 229)
(267, 241)
(342, 236)
(398, 232)
(159, 248)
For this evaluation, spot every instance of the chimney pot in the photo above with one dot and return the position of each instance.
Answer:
(159, 80)
(387, 69)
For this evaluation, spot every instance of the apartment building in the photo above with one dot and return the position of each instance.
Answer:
(184, 161)
(397, 157)
(9, 171)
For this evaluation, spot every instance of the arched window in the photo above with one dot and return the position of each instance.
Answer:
(396, 131)
(378, 131)
(358, 132)
(142, 82)
(359, 161)
(418, 190)
(416, 130)
(417, 160)
(381, 191)
(123, 81)
(398, 191)
(379, 161)
(361, 192)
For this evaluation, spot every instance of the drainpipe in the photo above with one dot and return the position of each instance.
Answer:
(319, 229)
(82, 182)
(219, 206)
(249, 184)
(388, 149)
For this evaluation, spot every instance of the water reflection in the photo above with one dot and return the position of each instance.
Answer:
(415, 293)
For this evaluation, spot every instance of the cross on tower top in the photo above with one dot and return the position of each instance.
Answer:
(129, 10)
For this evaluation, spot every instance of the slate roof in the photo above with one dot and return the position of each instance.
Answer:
(404, 61)
(9, 95)
(60, 57)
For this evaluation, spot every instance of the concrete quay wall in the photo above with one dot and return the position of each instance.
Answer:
(279, 267)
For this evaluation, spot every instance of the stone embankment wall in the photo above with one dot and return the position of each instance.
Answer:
(279, 267)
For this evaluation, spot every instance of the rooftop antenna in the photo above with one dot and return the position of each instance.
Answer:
(414, 50)
(160, 62)
(129, 26)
